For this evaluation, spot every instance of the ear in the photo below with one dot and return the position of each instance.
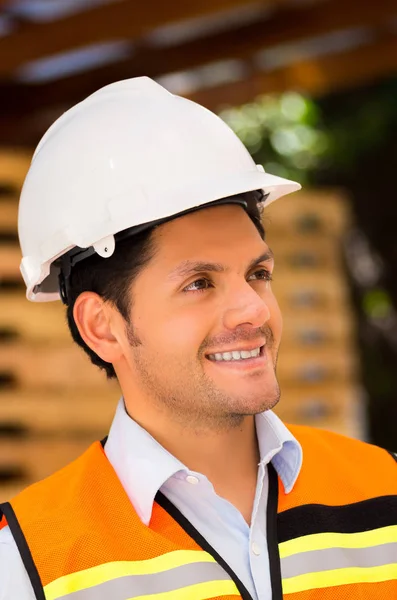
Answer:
(95, 320)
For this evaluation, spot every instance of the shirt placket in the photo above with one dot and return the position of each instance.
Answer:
(258, 552)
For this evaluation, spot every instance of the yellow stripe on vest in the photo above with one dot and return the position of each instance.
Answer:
(200, 591)
(106, 572)
(322, 541)
(325, 579)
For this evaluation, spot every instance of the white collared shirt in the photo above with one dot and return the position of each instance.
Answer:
(144, 467)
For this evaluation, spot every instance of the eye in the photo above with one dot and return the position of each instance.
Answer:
(261, 275)
(198, 286)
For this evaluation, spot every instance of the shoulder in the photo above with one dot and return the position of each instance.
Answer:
(347, 456)
(338, 470)
(47, 496)
(332, 441)
(14, 581)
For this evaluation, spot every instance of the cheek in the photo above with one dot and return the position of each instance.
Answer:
(179, 332)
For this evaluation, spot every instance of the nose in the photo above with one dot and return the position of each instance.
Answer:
(246, 308)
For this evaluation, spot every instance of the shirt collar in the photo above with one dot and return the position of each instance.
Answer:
(278, 446)
(137, 457)
(140, 462)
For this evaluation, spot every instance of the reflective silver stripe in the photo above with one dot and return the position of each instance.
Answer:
(131, 586)
(338, 558)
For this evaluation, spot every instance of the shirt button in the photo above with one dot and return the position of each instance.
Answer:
(192, 479)
(256, 549)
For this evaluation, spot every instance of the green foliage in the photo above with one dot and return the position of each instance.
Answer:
(359, 124)
(283, 133)
(295, 136)
(346, 139)
(377, 304)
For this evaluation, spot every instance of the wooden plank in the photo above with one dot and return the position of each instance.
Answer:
(50, 366)
(14, 165)
(309, 213)
(317, 329)
(33, 321)
(307, 254)
(286, 25)
(305, 302)
(35, 459)
(312, 366)
(8, 215)
(58, 413)
(317, 76)
(10, 258)
(291, 285)
(307, 406)
(125, 19)
(9, 491)
(343, 426)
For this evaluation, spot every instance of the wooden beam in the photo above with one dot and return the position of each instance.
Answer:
(126, 19)
(285, 26)
(316, 76)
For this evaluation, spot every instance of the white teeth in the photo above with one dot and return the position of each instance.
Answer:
(235, 355)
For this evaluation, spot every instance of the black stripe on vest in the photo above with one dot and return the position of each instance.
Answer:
(201, 541)
(350, 518)
(22, 545)
(271, 534)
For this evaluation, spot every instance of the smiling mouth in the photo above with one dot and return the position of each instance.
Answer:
(236, 355)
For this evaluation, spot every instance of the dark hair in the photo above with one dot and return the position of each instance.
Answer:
(112, 278)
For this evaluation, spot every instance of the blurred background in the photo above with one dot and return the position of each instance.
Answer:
(310, 86)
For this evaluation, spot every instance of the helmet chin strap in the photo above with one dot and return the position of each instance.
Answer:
(67, 262)
(104, 248)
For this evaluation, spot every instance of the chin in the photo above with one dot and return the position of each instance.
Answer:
(245, 405)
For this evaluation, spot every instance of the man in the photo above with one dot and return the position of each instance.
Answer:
(142, 210)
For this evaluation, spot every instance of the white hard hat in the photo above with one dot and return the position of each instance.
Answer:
(129, 154)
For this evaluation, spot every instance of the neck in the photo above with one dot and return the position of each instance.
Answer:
(228, 457)
(220, 455)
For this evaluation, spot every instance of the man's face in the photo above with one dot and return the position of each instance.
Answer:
(206, 292)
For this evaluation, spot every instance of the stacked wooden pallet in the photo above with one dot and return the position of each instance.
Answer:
(318, 364)
(46, 382)
(53, 403)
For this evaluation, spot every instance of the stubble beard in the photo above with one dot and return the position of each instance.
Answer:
(193, 401)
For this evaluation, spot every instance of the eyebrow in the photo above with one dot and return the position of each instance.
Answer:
(189, 267)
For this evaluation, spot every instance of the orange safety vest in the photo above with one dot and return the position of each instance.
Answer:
(334, 536)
